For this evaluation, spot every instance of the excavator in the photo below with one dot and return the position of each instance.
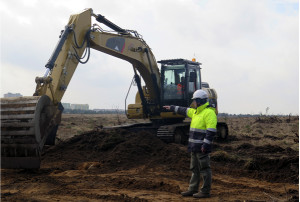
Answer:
(29, 123)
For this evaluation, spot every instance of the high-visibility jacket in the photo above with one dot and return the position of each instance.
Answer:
(203, 126)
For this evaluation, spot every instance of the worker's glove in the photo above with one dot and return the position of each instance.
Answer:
(172, 108)
(178, 110)
(169, 108)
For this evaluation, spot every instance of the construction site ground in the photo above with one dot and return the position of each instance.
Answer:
(258, 162)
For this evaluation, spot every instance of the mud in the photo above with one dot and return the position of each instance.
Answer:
(118, 165)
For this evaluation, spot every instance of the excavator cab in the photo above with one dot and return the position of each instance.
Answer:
(179, 79)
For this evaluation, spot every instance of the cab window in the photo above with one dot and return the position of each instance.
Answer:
(174, 78)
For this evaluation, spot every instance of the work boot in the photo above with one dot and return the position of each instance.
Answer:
(201, 195)
(188, 193)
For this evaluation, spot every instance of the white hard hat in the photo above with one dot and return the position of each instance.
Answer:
(200, 94)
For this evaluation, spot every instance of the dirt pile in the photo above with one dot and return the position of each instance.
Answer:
(118, 150)
(270, 162)
(118, 165)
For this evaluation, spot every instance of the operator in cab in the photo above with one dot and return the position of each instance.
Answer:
(203, 128)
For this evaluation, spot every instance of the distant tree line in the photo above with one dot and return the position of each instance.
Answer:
(122, 111)
(251, 115)
(100, 111)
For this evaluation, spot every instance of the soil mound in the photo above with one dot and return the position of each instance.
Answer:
(118, 150)
(119, 165)
(115, 150)
(270, 162)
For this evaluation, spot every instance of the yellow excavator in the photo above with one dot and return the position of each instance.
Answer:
(29, 123)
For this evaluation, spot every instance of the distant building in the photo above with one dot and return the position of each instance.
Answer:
(75, 106)
(13, 95)
(80, 106)
(66, 105)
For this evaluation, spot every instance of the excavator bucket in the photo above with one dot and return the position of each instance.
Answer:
(25, 122)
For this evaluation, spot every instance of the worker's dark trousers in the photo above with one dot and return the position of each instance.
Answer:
(200, 167)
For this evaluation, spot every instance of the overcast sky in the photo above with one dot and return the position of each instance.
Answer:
(249, 49)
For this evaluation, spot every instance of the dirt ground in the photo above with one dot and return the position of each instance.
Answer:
(258, 162)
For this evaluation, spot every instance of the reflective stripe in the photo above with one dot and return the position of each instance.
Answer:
(207, 141)
(176, 109)
(212, 129)
(197, 130)
(187, 110)
(195, 141)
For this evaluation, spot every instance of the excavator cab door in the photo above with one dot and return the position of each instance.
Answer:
(174, 83)
(194, 81)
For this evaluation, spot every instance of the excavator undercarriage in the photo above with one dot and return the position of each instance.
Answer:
(176, 132)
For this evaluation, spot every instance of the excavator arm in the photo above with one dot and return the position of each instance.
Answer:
(28, 123)
(77, 39)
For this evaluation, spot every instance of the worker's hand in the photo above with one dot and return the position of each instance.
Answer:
(167, 107)
(203, 149)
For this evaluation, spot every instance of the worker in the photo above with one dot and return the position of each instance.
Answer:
(179, 89)
(180, 86)
(202, 132)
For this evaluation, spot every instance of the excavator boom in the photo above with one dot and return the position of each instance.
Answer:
(28, 123)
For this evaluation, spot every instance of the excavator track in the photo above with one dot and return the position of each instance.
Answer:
(25, 124)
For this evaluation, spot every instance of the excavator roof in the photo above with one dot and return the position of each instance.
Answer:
(178, 62)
